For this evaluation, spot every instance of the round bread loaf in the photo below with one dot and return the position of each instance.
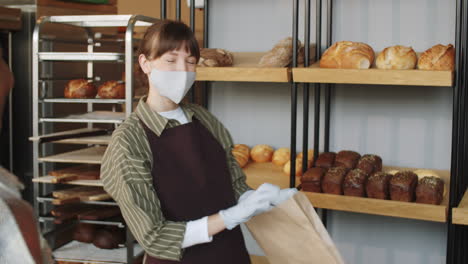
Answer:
(348, 55)
(310, 154)
(112, 90)
(84, 233)
(438, 58)
(397, 58)
(262, 153)
(241, 157)
(109, 238)
(281, 156)
(242, 148)
(79, 88)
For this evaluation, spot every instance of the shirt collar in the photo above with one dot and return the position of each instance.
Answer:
(154, 121)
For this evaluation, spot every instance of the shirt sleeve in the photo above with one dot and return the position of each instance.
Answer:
(125, 177)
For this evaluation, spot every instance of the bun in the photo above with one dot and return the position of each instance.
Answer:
(84, 233)
(280, 55)
(438, 58)
(403, 185)
(325, 160)
(261, 153)
(281, 156)
(112, 90)
(348, 55)
(79, 88)
(215, 58)
(109, 238)
(311, 180)
(347, 159)
(241, 157)
(397, 58)
(287, 167)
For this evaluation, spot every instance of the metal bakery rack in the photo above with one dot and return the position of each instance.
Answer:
(69, 131)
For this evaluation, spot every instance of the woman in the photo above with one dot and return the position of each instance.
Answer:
(170, 168)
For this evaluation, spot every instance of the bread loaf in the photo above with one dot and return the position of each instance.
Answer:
(354, 183)
(332, 182)
(301, 54)
(370, 163)
(347, 159)
(348, 55)
(310, 155)
(280, 55)
(80, 88)
(112, 90)
(325, 160)
(281, 156)
(397, 58)
(438, 58)
(403, 185)
(287, 167)
(215, 58)
(311, 180)
(430, 190)
(377, 185)
(241, 153)
(261, 153)
(84, 233)
(109, 238)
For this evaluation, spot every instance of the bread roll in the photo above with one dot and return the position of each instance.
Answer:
(112, 90)
(438, 58)
(109, 238)
(215, 58)
(281, 156)
(430, 190)
(280, 55)
(287, 167)
(242, 148)
(80, 88)
(348, 55)
(325, 160)
(84, 233)
(403, 185)
(397, 58)
(241, 157)
(261, 153)
(310, 155)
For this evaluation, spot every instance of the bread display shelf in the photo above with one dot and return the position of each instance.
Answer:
(98, 140)
(315, 74)
(92, 117)
(81, 56)
(87, 253)
(48, 179)
(91, 155)
(258, 173)
(69, 134)
(113, 221)
(101, 20)
(244, 69)
(460, 213)
(94, 101)
(49, 199)
(411, 210)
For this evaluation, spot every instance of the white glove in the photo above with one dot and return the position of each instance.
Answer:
(284, 195)
(256, 202)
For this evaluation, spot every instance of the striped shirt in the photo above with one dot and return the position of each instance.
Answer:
(126, 175)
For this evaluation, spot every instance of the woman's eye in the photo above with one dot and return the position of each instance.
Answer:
(191, 62)
(170, 61)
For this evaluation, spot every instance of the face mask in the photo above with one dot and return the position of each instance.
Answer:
(172, 84)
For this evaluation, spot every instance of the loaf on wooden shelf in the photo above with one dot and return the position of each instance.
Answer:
(215, 58)
(354, 183)
(80, 88)
(430, 190)
(261, 153)
(403, 185)
(301, 54)
(438, 58)
(332, 182)
(348, 55)
(325, 160)
(112, 90)
(280, 55)
(310, 155)
(299, 166)
(397, 58)
(347, 159)
(311, 180)
(241, 154)
(370, 163)
(378, 184)
(281, 156)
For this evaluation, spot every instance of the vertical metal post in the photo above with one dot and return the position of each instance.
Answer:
(206, 17)
(178, 10)
(306, 96)
(10, 104)
(328, 87)
(292, 179)
(129, 66)
(318, 34)
(163, 9)
(192, 26)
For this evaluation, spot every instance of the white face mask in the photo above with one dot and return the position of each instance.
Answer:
(172, 84)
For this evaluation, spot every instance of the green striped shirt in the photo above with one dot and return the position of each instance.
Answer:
(126, 175)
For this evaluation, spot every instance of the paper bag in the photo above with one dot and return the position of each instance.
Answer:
(293, 233)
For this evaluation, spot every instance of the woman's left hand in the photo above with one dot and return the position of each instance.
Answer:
(284, 195)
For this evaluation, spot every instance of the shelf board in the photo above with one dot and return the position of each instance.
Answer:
(100, 20)
(244, 69)
(460, 213)
(48, 179)
(78, 100)
(49, 199)
(427, 212)
(91, 155)
(258, 173)
(315, 74)
(81, 56)
(97, 140)
(76, 251)
(70, 134)
(92, 117)
(113, 221)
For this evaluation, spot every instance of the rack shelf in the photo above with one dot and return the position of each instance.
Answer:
(97, 140)
(460, 213)
(113, 221)
(244, 69)
(107, 117)
(91, 155)
(81, 56)
(315, 74)
(69, 134)
(411, 210)
(49, 199)
(258, 173)
(48, 179)
(87, 253)
(100, 20)
(94, 101)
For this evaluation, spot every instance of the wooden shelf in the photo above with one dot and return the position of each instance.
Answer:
(48, 179)
(244, 69)
(315, 74)
(460, 213)
(435, 213)
(258, 173)
(88, 155)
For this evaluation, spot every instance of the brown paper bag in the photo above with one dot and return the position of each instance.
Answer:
(293, 233)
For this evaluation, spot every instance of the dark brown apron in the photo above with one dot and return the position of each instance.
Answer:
(192, 180)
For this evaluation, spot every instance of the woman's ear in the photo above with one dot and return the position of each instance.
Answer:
(144, 64)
